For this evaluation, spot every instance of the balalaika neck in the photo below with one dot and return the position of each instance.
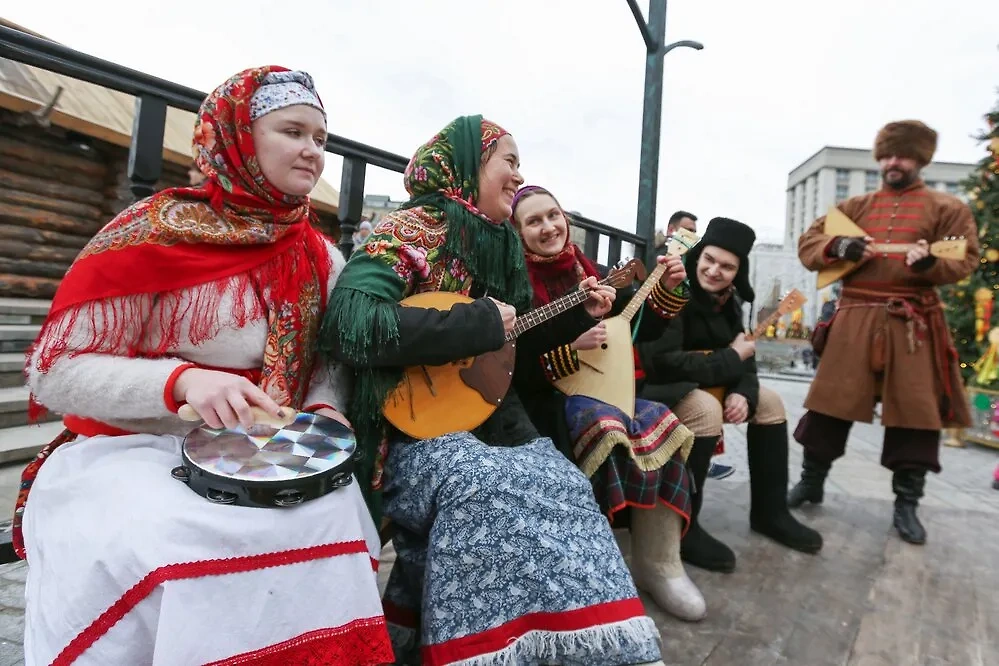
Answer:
(762, 327)
(540, 315)
(643, 292)
(892, 248)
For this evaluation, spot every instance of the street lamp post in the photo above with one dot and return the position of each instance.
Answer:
(654, 33)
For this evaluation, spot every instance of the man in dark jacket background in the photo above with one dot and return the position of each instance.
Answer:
(681, 219)
(705, 349)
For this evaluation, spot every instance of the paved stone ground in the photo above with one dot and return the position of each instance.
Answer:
(866, 600)
(12, 613)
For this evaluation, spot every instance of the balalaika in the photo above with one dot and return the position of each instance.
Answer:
(838, 224)
(608, 374)
(434, 400)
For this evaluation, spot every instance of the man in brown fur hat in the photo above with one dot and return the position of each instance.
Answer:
(888, 340)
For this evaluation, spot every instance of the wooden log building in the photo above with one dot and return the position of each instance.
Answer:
(63, 163)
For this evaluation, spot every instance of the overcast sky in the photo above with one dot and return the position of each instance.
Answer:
(776, 81)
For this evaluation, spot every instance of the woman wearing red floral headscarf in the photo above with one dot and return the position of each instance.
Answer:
(210, 297)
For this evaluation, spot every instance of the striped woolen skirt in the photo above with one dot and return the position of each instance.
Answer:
(631, 462)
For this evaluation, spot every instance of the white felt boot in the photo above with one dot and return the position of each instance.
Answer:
(656, 565)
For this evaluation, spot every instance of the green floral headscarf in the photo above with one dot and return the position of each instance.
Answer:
(436, 241)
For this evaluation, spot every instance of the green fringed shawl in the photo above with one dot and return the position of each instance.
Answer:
(432, 243)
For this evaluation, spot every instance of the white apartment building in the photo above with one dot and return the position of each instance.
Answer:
(377, 205)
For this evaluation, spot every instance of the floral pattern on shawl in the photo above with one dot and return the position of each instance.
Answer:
(236, 232)
(438, 167)
(411, 243)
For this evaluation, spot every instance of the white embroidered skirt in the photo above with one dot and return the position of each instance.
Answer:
(129, 566)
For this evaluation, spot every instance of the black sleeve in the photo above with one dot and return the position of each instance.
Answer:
(652, 326)
(664, 360)
(621, 300)
(435, 337)
(560, 330)
(529, 374)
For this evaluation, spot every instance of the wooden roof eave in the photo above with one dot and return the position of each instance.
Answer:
(72, 123)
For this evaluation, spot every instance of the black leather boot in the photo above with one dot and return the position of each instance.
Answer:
(908, 485)
(699, 548)
(767, 448)
(810, 488)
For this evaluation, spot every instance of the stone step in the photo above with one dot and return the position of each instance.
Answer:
(19, 331)
(11, 362)
(11, 370)
(37, 307)
(14, 407)
(21, 443)
(13, 399)
(23, 310)
(14, 346)
(17, 337)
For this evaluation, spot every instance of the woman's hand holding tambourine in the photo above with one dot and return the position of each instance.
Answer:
(335, 415)
(222, 399)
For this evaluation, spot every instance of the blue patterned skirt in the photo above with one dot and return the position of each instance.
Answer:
(503, 557)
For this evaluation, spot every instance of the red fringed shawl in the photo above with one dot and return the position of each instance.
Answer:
(552, 277)
(237, 233)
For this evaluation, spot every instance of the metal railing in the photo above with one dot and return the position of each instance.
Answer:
(154, 95)
(616, 238)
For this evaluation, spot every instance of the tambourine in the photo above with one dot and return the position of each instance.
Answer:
(273, 463)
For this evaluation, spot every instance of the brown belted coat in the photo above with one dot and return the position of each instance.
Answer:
(890, 317)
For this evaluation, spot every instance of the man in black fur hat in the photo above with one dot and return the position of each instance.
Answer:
(704, 369)
(888, 340)
(681, 219)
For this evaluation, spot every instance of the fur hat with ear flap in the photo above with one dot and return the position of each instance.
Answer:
(906, 138)
(737, 238)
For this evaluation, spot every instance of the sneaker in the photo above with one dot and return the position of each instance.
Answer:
(717, 471)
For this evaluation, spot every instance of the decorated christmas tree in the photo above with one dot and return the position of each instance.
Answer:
(970, 303)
